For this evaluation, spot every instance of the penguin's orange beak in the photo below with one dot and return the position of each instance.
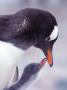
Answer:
(49, 57)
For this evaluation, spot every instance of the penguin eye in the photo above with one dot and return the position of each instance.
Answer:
(47, 39)
(32, 67)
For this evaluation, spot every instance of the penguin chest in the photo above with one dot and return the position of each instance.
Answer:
(9, 57)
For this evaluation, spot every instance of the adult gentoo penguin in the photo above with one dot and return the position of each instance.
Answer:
(18, 32)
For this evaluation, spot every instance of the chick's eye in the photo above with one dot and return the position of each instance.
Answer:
(32, 67)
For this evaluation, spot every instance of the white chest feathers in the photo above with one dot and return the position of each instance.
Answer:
(9, 57)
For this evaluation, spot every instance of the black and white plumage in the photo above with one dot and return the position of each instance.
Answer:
(18, 32)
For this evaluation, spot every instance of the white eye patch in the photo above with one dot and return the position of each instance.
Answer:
(54, 33)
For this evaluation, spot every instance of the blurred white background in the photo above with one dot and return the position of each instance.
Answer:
(54, 78)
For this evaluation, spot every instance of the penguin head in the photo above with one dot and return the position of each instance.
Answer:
(39, 29)
(46, 41)
(42, 37)
(32, 69)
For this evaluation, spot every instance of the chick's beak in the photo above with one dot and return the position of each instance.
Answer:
(49, 57)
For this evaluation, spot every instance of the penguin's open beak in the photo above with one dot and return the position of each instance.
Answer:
(49, 57)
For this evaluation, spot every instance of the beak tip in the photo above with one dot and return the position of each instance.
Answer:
(51, 65)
